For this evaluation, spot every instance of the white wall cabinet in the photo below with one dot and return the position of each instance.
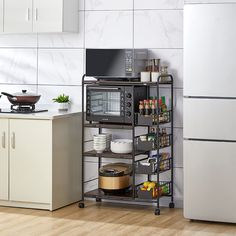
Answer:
(40, 16)
(40, 162)
(17, 16)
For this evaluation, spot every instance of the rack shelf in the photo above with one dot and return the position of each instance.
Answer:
(119, 82)
(93, 153)
(107, 126)
(126, 196)
(161, 166)
(98, 193)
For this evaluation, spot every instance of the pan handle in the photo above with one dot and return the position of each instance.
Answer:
(7, 94)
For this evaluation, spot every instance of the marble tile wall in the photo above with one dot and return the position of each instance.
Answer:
(54, 63)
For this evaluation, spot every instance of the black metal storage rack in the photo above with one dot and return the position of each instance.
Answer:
(132, 196)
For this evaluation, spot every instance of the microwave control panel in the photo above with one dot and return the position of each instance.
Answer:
(128, 62)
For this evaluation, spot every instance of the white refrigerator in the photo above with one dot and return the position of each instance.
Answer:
(210, 112)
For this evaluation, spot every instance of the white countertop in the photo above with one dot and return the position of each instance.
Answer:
(51, 114)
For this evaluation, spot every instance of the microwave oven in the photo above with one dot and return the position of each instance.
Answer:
(113, 104)
(115, 63)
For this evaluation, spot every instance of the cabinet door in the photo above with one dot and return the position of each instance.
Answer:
(209, 50)
(48, 17)
(30, 160)
(209, 181)
(1, 16)
(18, 16)
(210, 119)
(4, 159)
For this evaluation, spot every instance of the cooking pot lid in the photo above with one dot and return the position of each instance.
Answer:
(25, 93)
(115, 170)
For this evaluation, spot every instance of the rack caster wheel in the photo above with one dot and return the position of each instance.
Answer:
(98, 200)
(171, 205)
(157, 212)
(81, 205)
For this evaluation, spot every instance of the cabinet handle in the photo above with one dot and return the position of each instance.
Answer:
(13, 140)
(3, 140)
(36, 14)
(28, 14)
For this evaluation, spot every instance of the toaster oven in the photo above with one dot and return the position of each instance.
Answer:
(113, 104)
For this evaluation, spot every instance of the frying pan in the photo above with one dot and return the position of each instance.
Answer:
(22, 98)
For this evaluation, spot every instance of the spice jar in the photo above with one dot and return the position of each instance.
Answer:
(163, 72)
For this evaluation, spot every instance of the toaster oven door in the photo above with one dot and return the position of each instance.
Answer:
(105, 104)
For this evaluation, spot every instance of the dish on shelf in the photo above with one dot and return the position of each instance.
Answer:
(99, 143)
(108, 140)
(122, 146)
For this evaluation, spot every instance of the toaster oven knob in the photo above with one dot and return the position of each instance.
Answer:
(128, 104)
(128, 95)
(128, 113)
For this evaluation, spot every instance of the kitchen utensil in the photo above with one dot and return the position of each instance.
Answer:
(122, 146)
(156, 63)
(22, 98)
(115, 177)
(164, 73)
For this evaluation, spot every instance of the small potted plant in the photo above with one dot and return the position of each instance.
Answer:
(63, 101)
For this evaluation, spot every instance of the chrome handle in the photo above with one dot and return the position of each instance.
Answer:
(13, 141)
(3, 140)
(36, 14)
(28, 14)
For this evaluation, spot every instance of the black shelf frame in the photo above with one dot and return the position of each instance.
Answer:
(98, 194)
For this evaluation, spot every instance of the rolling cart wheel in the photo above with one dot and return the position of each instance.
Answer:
(81, 205)
(98, 200)
(171, 205)
(157, 212)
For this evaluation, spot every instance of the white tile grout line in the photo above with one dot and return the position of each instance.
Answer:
(133, 26)
(37, 63)
(132, 9)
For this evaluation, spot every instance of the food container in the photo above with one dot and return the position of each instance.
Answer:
(114, 178)
(122, 146)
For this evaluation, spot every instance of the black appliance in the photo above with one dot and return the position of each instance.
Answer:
(113, 104)
(115, 63)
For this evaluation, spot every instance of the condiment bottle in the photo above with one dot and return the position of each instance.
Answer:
(153, 113)
(141, 108)
(147, 109)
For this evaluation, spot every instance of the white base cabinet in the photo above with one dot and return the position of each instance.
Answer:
(40, 164)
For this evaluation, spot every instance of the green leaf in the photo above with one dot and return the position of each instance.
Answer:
(62, 98)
